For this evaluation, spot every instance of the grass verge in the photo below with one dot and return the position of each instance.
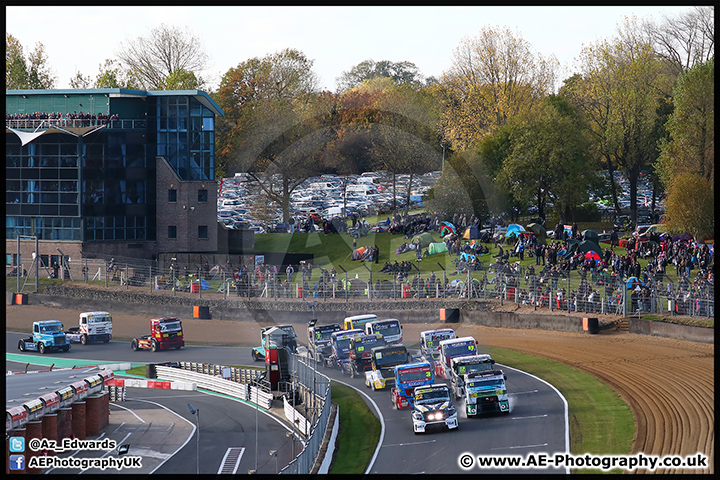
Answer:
(359, 431)
(601, 423)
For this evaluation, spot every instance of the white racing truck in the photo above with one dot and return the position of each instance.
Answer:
(449, 349)
(432, 408)
(430, 342)
(465, 365)
(485, 392)
(92, 327)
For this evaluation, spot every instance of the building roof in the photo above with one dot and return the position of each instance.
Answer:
(199, 95)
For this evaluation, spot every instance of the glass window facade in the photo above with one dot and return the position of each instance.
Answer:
(100, 185)
(184, 135)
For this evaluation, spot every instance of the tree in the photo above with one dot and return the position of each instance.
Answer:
(494, 76)
(548, 159)
(31, 72)
(167, 50)
(621, 87)
(685, 41)
(401, 73)
(691, 127)
(273, 125)
(690, 205)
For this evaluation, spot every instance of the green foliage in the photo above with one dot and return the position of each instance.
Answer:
(359, 431)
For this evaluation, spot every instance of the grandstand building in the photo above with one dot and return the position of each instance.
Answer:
(109, 172)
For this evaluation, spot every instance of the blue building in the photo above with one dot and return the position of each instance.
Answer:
(110, 172)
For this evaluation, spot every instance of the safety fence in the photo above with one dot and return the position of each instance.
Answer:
(570, 290)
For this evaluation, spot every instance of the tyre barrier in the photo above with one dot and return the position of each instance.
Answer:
(17, 417)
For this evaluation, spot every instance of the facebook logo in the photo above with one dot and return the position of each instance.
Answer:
(17, 462)
(17, 444)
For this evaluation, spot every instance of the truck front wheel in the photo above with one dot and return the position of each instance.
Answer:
(84, 339)
(21, 345)
(134, 344)
(41, 347)
(155, 347)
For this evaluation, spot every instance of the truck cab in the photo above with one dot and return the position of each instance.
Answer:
(92, 327)
(407, 378)
(432, 408)
(361, 351)
(383, 362)
(340, 345)
(390, 329)
(47, 335)
(282, 336)
(456, 347)
(165, 333)
(319, 340)
(430, 342)
(486, 392)
(358, 321)
(461, 366)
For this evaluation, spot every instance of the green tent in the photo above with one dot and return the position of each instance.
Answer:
(434, 248)
(590, 235)
(426, 239)
(539, 231)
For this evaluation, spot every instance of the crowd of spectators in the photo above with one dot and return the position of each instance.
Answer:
(58, 118)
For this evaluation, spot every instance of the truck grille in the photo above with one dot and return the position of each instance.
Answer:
(59, 340)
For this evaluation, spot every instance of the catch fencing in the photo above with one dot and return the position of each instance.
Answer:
(573, 290)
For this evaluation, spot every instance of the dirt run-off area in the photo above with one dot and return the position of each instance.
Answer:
(668, 383)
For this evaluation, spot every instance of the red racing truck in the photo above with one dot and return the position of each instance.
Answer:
(165, 333)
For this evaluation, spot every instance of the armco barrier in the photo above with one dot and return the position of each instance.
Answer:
(216, 384)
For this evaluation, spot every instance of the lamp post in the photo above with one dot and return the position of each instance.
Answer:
(273, 453)
(196, 412)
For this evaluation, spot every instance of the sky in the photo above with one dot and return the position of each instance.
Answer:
(79, 39)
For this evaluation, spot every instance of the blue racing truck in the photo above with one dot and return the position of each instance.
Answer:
(407, 378)
(48, 336)
(340, 354)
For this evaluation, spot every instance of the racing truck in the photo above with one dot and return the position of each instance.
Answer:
(165, 333)
(461, 366)
(432, 408)
(278, 335)
(319, 340)
(390, 329)
(430, 342)
(360, 351)
(358, 321)
(485, 392)
(383, 361)
(456, 347)
(340, 345)
(407, 378)
(48, 336)
(92, 327)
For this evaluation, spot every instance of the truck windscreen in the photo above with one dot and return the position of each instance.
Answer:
(412, 374)
(167, 327)
(388, 329)
(431, 396)
(391, 358)
(474, 367)
(459, 349)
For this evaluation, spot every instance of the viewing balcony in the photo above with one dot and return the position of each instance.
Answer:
(37, 124)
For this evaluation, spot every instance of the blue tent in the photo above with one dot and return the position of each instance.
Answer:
(471, 233)
(514, 228)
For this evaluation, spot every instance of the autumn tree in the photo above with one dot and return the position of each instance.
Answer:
(271, 127)
(687, 161)
(26, 72)
(621, 87)
(157, 58)
(494, 76)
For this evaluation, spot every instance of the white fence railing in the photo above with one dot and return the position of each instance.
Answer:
(217, 384)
